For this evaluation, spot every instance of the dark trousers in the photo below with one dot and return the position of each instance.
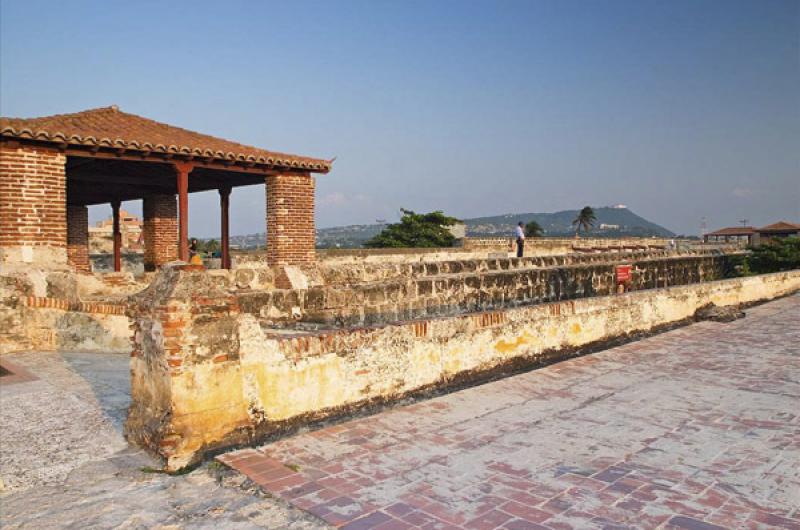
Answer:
(520, 246)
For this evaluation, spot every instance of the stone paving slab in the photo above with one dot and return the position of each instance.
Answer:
(65, 464)
(697, 428)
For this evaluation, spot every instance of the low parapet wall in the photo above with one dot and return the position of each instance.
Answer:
(46, 311)
(426, 290)
(544, 246)
(207, 376)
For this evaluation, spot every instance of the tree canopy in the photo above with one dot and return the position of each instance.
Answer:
(585, 220)
(779, 254)
(533, 229)
(415, 230)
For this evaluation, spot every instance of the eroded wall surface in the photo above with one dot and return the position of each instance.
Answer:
(367, 294)
(50, 310)
(207, 374)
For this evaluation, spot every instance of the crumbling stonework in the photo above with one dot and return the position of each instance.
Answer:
(61, 311)
(207, 374)
(366, 294)
(541, 246)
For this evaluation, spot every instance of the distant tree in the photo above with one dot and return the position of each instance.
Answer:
(533, 229)
(775, 255)
(211, 246)
(585, 220)
(416, 231)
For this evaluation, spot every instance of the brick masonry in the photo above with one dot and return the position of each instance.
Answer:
(160, 230)
(33, 208)
(290, 220)
(78, 237)
(99, 308)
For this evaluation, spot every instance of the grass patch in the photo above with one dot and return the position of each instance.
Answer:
(216, 466)
(182, 471)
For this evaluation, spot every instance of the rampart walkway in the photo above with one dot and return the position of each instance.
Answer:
(698, 428)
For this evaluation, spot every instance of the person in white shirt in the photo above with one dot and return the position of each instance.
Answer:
(519, 233)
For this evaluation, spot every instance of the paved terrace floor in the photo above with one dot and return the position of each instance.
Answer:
(65, 464)
(697, 428)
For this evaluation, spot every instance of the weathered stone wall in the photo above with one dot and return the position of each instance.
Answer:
(44, 311)
(206, 375)
(337, 273)
(131, 261)
(544, 246)
(366, 295)
(33, 206)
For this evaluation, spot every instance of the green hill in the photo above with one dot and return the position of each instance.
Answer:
(611, 222)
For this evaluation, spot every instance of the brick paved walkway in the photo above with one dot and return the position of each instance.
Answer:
(697, 428)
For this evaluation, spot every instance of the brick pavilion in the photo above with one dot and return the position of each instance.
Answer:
(52, 168)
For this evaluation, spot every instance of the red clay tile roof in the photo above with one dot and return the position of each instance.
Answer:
(111, 128)
(780, 226)
(734, 231)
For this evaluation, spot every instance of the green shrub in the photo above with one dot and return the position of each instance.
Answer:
(776, 255)
(416, 230)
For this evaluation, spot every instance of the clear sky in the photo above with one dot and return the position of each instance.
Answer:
(679, 109)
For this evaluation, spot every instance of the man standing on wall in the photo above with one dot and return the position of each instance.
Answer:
(519, 232)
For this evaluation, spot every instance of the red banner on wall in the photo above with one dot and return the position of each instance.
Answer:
(624, 273)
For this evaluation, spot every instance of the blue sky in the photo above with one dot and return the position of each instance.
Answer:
(680, 109)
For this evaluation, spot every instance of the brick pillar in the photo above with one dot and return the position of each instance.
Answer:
(33, 205)
(78, 237)
(290, 219)
(160, 230)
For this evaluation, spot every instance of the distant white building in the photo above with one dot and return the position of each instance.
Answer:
(620, 207)
(604, 226)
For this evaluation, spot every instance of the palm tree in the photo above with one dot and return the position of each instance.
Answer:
(533, 229)
(585, 220)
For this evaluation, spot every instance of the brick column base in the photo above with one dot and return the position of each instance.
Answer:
(33, 206)
(160, 230)
(78, 237)
(291, 237)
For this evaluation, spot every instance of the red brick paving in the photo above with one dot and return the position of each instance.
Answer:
(698, 428)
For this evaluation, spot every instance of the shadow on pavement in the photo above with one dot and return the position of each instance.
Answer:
(109, 376)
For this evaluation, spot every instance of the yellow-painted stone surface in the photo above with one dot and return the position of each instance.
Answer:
(278, 377)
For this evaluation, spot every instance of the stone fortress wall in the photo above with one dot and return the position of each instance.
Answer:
(209, 374)
(221, 357)
(364, 294)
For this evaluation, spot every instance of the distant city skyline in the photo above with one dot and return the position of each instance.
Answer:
(682, 110)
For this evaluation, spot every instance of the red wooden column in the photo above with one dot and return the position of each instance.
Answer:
(183, 169)
(117, 235)
(224, 208)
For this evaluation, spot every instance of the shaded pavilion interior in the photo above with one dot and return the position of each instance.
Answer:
(93, 181)
(112, 156)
